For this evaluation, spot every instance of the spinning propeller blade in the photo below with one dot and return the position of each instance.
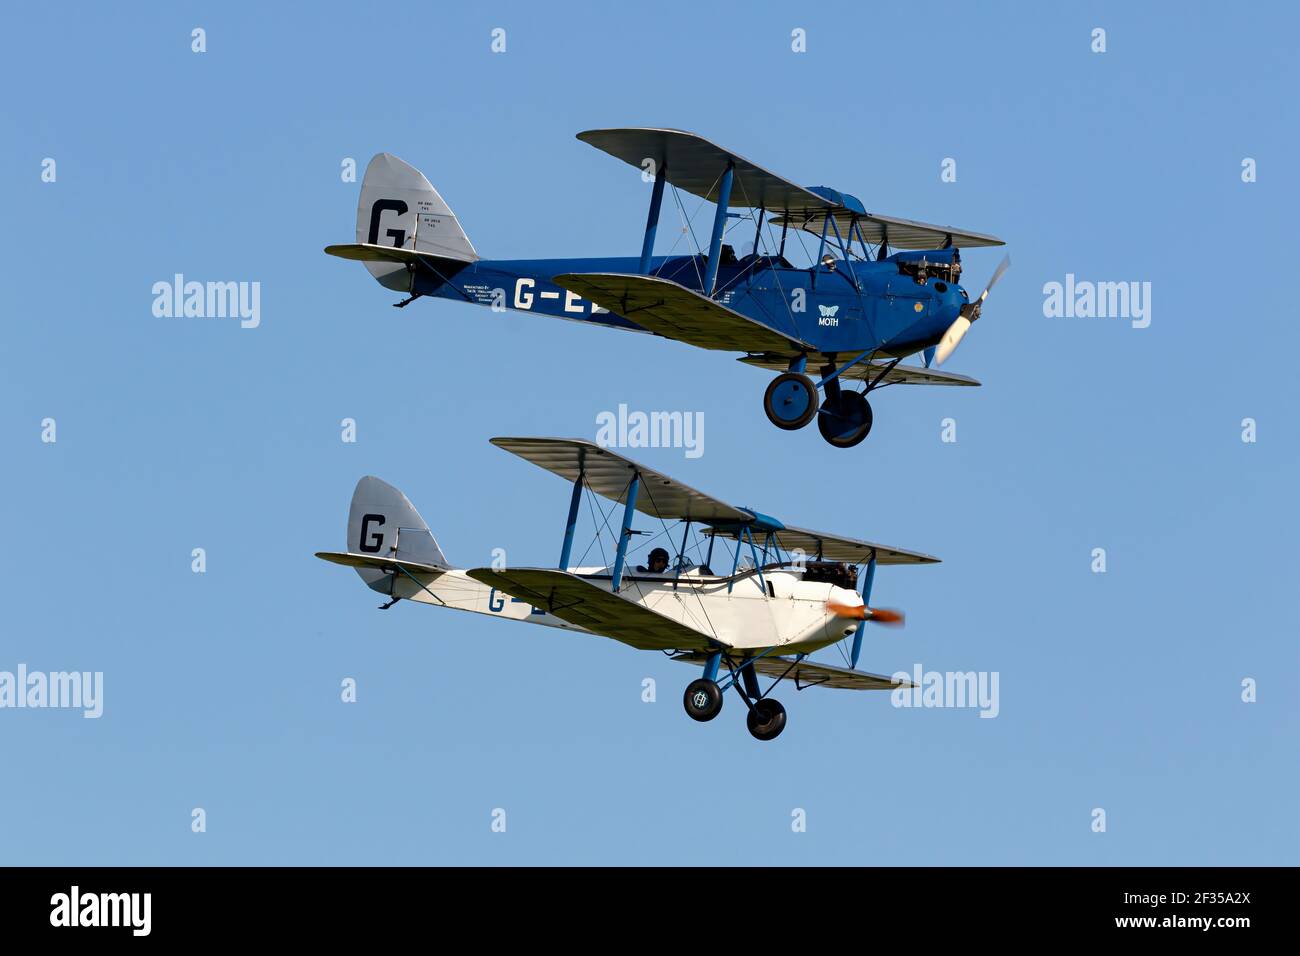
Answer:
(951, 339)
(970, 312)
(860, 612)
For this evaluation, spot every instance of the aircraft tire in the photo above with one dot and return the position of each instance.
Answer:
(703, 699)
(790, 401)
(766, 719)
(847, 422)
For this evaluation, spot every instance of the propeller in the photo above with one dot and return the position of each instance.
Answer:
(860, 612)
(970, 312)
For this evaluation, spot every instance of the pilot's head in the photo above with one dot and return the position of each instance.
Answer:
(658, 561)
(828, 261)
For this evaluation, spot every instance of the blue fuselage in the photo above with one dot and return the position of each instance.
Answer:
(850, 308)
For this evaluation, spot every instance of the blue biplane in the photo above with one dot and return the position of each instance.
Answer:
(853, 315)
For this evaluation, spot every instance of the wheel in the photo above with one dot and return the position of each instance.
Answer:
(703, 699)
(846, 422)
(790, 401)
(766, 719)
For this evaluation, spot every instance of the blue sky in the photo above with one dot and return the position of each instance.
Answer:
(1119, 690)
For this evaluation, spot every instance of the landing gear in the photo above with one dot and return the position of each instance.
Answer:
(766, 719)
(703, 699)
(845, 419)
(790, 401)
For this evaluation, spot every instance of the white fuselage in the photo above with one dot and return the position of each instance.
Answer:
(782, 610)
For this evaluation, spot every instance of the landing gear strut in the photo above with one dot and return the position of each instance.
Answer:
(703, 699)
(844, 418)
(766, 717)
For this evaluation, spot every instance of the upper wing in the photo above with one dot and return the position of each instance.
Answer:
(692, 163)
(669, 309)
(695, 164)
(838, 548)
(608, 474)
(580, 602)
(834, 547)
(899, 233)
(898, 375)
(812, 674)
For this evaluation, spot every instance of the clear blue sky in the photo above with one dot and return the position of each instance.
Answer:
(1118, 690)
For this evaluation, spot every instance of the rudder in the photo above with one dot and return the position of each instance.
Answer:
(383, 522)
(399, 207)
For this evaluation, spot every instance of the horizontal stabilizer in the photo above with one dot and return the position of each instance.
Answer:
(375, 562)
(367, 252)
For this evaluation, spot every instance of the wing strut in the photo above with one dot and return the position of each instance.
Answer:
(719, 223)
(572, 524)
(652, 220)
(626, 535)
(821, 249)
(866, 601)
(681, 554)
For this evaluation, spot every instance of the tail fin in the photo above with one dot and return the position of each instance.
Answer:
(383, 522)
(400, 208)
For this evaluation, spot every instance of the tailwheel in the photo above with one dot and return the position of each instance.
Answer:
(766, 719)
(846, 420)
(703, 699)
(790, 401)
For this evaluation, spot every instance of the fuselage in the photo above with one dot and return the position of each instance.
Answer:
(776, 609)
(849, 307)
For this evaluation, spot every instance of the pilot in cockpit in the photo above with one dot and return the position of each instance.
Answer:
(657, 563)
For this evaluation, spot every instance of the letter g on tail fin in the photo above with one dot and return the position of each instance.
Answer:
(400, 208)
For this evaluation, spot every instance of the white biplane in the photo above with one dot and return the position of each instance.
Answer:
(789, 591)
